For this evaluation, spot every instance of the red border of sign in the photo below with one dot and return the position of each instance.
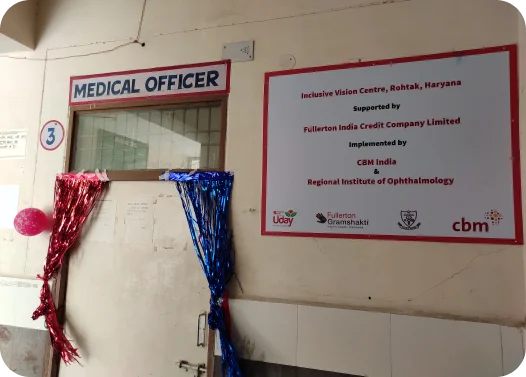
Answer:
(120, 100)
(515, 146)
(63, 134)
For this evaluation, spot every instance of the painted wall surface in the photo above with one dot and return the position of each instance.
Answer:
(124, 298)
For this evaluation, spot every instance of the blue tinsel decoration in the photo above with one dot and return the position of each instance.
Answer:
(206, 197)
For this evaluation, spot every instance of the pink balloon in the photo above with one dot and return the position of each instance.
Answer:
(30, 222)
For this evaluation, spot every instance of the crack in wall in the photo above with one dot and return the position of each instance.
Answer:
(319, 247)
(452, 276)
(329, 260)
(467, 267)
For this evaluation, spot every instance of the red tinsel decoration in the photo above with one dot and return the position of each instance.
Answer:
(75, 197)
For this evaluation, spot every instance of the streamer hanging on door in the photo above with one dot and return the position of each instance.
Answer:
(206, 198)
(75, 197)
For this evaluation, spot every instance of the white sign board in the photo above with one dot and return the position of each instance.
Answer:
(13, 143)
(187, 80)
(423, 148)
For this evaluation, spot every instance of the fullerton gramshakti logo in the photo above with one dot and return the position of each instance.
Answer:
(321, 219)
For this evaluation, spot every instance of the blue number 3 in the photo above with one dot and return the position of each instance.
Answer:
(51, 138)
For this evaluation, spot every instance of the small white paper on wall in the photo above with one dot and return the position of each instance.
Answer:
(138, 221)
(8, 205)
(13, 143)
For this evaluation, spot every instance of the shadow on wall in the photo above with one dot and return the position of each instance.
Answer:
(46, 14)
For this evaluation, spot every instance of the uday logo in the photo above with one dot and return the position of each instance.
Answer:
(285, 219)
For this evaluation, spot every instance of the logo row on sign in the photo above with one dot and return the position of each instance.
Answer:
(408, 221)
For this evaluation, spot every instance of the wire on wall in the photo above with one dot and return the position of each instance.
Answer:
(131, 42)
(139, 40)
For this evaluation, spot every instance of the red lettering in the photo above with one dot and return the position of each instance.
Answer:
(282, 220)
(481, 227)
(468, 226)
(464, 224)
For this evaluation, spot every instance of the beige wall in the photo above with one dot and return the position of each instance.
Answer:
(154, 290)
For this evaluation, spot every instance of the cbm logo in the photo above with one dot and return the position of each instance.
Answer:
(470, 226)
(466, 226)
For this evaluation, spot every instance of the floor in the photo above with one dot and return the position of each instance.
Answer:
(23, 350)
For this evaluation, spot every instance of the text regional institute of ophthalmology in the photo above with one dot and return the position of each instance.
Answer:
(444, 181)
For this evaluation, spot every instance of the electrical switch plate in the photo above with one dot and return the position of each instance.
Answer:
(239, 51)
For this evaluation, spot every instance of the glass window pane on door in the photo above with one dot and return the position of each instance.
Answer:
(178, 138)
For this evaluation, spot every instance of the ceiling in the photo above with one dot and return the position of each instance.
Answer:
(18, 26)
